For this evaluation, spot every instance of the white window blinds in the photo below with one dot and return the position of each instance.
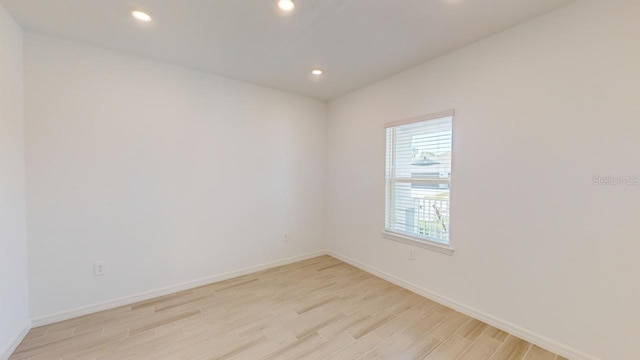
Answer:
(418, 177)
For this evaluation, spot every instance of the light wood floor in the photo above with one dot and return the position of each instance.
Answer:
(320, 308)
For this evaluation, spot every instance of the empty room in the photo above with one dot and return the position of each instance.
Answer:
(320, 179)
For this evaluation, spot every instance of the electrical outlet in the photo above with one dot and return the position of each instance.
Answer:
(285, 238)
(100, 268)
(412, 254)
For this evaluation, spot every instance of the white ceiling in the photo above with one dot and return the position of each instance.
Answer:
(356, 42)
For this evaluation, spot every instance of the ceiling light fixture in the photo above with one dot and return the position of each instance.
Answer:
(141, 15)
(317, 72)
(286, 5)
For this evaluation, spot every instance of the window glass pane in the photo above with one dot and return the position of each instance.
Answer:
(418, 175)
(421, 211)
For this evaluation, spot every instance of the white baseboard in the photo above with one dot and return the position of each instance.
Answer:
(130, 299)
(4, 355)
(544, 342)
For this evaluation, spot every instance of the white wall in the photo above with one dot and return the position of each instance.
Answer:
(541, 109)
(168, 174)
(14, 311)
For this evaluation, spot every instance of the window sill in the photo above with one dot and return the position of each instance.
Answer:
(416, 241)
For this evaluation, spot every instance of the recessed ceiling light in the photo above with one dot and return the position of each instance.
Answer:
(317, 72)
(141, 15)
(286, 5)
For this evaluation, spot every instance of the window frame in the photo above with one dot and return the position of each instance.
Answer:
(423, 242)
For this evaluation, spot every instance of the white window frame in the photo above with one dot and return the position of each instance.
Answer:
(407, 238)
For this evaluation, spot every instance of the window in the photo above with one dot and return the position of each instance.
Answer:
(418, 180)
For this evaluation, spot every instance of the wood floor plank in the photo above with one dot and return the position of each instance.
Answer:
(450, 326)
(316, 309)
(293, 350)
(169, 349)
(364, 327)
(343, 324)
(266, 348)
(229, 350)
(403, 343)
(453, 347)
(472, 329)
(140, 350)
(482, 348)
(322, 320)
(538, 353)
(328, 348)
(495, 333)
(512, 348)
(357, 349)
(419, 349)
(93, 352)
